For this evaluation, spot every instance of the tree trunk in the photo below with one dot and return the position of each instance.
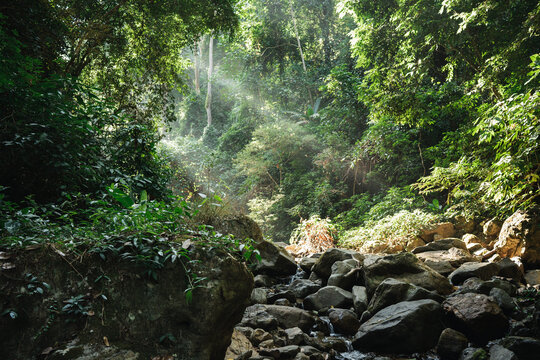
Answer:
(299, 44)
(198, 54)
(209, 87)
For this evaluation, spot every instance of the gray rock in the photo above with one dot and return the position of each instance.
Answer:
(389, 330)
(306, 263)
(260, 335)
(473, 354)
(76, 351)
(498, 352)
(444, 244)
(275, 260)
(407, 268)
(526, 348)
(323, 266)
(258, 296)
(284, 352)
(360, 299)
(392, 291)
(475, 285)
(262, 280)
(454, 256)
(344, 321)
(482, 271)
(281, 295)
(295, 336)
(504, 300)
(476, 315)
(344, 274)
(329, 296)
(303, 287)
(532, 277)
(289, 317)
(282, 302)
(510, 269)
(316, 278)
(451, 344)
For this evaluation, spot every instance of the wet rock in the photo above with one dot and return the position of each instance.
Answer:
(275, 260)
(451, 344)
(284, 316)
(295, 336)
(344, 321)
(303, 287)
(443, 244)
(526, 348)
(405, 267)
(498, 352)
(366, 315)
(323, 266)
(309, 350)
(482, 271)
(360, 299)
(344, 274)
(437, 231)
(473, 354)
(327, 297)
(282, 302)
(282, 295)
(258, 296)
(392, 291)
(476, 315)
(389, 330)
(284, 352)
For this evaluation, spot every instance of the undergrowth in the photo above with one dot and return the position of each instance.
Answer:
(391, 231)
(122, 225)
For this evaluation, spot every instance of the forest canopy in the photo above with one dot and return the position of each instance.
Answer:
(286, 110)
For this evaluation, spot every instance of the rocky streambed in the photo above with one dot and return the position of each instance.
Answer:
(342, 305)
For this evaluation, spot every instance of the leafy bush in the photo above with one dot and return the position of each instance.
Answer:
(388, 233)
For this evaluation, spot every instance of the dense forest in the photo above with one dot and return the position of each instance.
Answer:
(339, 114)
(134, 133)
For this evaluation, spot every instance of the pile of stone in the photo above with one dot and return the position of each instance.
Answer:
(443, 299)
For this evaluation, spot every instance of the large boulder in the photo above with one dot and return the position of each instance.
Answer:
(323, 266)
(405, 267)
(484, 271)
(268, 317)
(476, 315)
(392, 291)
(445, 261)
(344, 321)
(390, 330)
(437, 231)
(241, 226)
(360, 299)
(329, 296)
(303, 287)
(517, 238)
(344, 274)
(275, 260)
(451, 344)
(525, 348)
(136, 312)
(443, 244)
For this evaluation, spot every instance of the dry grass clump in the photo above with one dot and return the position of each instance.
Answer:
(312, 236)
